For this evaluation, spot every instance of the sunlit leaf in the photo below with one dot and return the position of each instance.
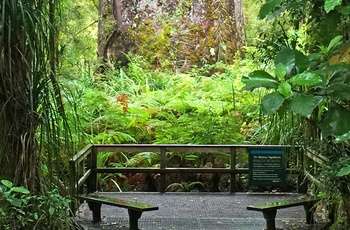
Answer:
(20, 190)
(285, 89)
(331, 4)
(306, 78)
(334, 42)
(280, 70)
(259, 78)
(7, 183)
(344, 171)
(344, 137)
(15, 201)
(303, 105)
(271, 102)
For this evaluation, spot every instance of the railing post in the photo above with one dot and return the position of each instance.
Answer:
(80, 170)
(73, 186)
(163, 165)
(92, 164)
(302, 181)
(233, 152)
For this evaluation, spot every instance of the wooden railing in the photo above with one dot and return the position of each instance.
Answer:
(84, 168)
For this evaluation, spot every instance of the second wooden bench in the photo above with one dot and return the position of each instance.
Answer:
(269, 209)
(135, 209)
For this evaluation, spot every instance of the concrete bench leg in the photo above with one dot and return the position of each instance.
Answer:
(270, 219)
(134, 217)
(309, 210)
(96, 211)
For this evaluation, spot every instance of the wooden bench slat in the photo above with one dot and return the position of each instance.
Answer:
(282, 203)
(118, 202)
(269, 209)
(135, 209)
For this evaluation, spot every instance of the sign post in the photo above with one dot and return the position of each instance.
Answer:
(267, 167)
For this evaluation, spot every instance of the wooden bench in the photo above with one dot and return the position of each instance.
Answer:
(135, 209)
(269, 209)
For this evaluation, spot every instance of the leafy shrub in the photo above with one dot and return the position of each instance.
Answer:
(21, 210)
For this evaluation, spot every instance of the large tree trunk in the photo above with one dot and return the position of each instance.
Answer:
(29, 93)
(18, 156)
(176, 34)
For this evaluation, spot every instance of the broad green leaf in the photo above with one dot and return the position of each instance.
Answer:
(331, 4)
(268, 7)
(292, 59)
(302, 62)
(259, 78)
(7, 183)
(335, 41)
(306, 78)
(276, 12)
(287, 58)
(303, 105)
(344, 9)
(344, 137)
(271, 102)
(191, 157)
(341, 75)
(338, 90)
(15, 201)
(51, 210)
(2, 213)
(336, 121)
(344, 171)
(285, 89)
(20, 190)
(280, 71)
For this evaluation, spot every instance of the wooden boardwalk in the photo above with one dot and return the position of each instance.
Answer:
(200, 211)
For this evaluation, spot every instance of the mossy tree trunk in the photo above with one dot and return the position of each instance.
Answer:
(29, 93)
(175, 34)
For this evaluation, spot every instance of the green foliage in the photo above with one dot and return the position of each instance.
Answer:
(136, 105)
(302, 89)
(331, 4)
(10, 194)
(21, 210)
(78, 34)
(307, 92)
(184, 186)
(298, 25)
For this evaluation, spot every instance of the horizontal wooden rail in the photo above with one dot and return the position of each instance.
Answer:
(319, 159)
(82, 154)
(83, 179)
(170, 170)
(84, 164)
(180, 148)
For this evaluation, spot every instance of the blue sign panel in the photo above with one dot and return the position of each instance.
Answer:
(266, 167)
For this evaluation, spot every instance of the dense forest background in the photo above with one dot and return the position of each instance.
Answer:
(74, 73)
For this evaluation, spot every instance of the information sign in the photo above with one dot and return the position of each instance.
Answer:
(266, 167)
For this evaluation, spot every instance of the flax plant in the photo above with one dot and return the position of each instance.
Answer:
(32, 119)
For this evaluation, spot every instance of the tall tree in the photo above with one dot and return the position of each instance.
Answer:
(29, 92)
